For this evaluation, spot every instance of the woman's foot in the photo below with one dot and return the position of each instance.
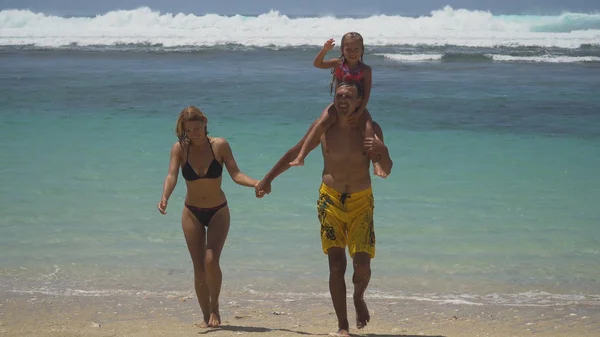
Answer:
(202, 325)
(340, 333)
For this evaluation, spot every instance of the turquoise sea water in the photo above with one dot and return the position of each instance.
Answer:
(493, 198)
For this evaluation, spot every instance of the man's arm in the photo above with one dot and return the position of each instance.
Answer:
(283, 164)
(377, 146)
(313, 138)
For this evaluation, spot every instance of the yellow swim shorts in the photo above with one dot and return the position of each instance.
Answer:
(347, 220)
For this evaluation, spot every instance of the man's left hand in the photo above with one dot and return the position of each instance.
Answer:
(374, 145)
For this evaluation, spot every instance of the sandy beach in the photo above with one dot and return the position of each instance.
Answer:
(248, 315)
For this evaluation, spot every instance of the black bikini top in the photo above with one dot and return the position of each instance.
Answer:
(215, 170)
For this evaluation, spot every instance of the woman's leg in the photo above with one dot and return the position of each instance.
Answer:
(195, 237)
(215, 240)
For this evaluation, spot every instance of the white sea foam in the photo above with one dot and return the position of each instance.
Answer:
(442, 27)
(409, 58)
(546, 59)
(525, 299)
(413, 57)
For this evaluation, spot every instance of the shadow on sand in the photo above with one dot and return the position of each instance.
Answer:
(237, 328)
(386, 335)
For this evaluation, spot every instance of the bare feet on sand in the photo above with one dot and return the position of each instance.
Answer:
(362, 313)
(340, 333)
(215, 320)
(202, 325)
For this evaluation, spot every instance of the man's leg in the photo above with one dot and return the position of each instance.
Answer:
(361, 278)
(333, 243)
(337, 287)
(361, 243)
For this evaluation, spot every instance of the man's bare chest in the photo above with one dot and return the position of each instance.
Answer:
(344, 144)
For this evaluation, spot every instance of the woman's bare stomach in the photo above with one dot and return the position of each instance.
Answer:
(204, 194)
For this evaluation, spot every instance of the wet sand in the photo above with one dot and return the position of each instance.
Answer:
(245, 314)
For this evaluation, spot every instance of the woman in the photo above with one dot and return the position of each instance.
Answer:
(205, 218)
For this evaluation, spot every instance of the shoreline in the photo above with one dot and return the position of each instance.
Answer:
(247, 314)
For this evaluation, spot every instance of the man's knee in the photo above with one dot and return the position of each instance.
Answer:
(362, 264)
(337, 261)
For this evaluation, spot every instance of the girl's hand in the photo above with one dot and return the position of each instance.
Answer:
(355, 117)
(329, 44)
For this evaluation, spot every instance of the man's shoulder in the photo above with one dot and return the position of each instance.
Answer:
(330, 115)
(377, 130)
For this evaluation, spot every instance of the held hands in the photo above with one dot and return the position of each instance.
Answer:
(162, 206)
(329, 44)
(263, 187)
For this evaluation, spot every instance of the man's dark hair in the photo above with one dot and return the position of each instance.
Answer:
(351, 84)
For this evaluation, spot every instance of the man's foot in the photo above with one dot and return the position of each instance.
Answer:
(362, 313)
(215, 320)
(378, 171)
(340, 333)
(202, 325)
(297, 162)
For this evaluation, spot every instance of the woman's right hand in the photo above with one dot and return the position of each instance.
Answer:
(263, 187)
(162, 207)
(329, 44)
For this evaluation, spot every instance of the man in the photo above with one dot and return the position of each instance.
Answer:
(345, 205)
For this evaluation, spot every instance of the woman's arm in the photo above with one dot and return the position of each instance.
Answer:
(234, 171)
(171, 179)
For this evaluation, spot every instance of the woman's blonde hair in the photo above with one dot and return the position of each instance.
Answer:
(191, 113)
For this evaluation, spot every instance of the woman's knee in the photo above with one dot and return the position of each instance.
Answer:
(199, 272)
(211, 260)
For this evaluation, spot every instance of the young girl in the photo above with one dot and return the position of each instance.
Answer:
(348, 67)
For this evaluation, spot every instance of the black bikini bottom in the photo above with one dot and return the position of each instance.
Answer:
(204, 215)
